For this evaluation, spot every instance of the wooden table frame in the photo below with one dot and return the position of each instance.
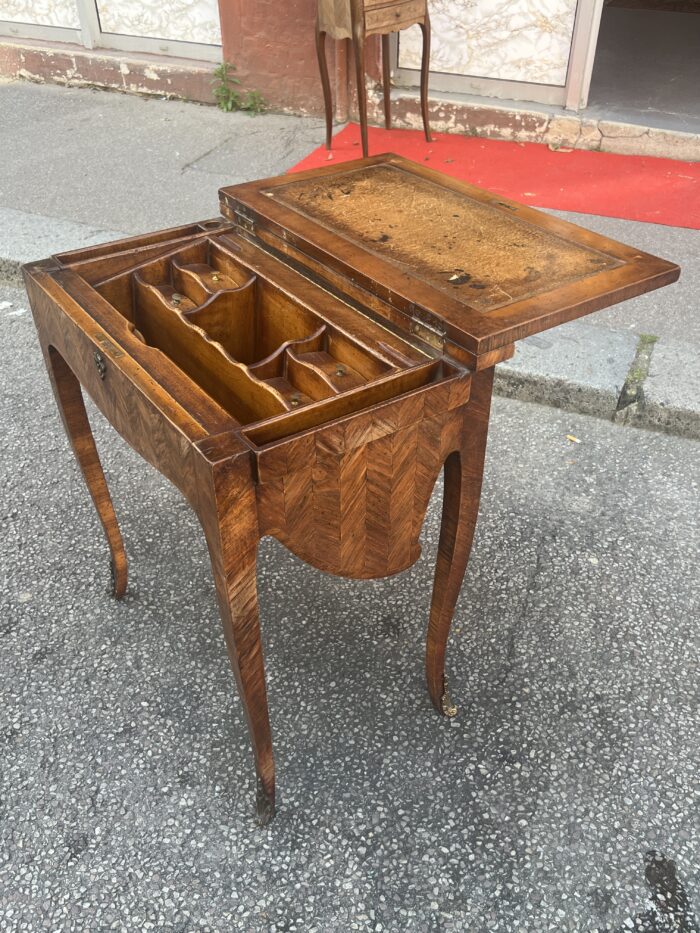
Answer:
(343, 484)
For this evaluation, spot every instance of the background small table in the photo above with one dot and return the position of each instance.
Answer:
(355, 20)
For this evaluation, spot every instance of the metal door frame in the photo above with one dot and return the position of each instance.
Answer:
(90, 36)
(573, 95)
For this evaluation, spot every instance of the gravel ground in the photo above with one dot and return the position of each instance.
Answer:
(565, 796)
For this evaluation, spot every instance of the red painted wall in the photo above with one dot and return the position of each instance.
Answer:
(272, 45)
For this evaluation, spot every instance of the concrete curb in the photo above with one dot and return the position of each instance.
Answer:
(627, 378)
(578, 367)
(25, 237)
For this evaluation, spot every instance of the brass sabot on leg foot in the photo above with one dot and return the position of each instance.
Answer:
(446, 705)
(265, 805)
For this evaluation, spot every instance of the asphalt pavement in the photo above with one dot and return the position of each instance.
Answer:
(565, 796)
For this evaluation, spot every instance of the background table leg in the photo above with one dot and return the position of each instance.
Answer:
(464, 471)
(325, 83)
(424, 75)
(71, 405)
(386, 80)
(358, 42)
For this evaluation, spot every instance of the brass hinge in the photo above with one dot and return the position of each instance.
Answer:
(426, 329)
(244, 220)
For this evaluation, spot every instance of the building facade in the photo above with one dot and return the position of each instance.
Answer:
(518, 70)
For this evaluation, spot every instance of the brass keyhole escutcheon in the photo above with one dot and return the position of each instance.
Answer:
(100, 364)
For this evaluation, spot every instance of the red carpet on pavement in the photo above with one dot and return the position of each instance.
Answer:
(657, 191)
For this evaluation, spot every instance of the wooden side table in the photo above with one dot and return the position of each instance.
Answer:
(305, 366)
(355, 20)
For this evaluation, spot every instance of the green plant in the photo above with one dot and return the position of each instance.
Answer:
(229, 96)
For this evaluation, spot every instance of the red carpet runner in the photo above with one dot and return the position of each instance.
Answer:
(658, 191)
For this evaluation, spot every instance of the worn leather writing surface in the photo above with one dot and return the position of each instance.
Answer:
(469, 249)
(472, 267)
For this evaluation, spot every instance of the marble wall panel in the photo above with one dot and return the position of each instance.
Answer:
(178, 20)
(522, 40)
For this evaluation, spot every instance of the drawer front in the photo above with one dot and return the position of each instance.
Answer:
(393, 16)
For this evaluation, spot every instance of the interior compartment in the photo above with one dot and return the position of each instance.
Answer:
(262, 355)
(337, 406)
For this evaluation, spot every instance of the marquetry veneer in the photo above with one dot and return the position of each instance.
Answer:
(305, 366)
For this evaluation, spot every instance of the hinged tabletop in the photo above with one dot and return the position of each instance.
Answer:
(481, 269)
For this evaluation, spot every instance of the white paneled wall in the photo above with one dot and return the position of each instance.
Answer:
(41, 12)
(195, 21)
(178, 20)
(521, 40)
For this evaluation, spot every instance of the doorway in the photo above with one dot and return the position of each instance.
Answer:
(647, 64)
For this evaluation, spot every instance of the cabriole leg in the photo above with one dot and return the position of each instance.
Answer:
(386, 80)
(230, 533)
(424, 75)
(325, 82)
(71, 405)
(359, 48)
(464, 471)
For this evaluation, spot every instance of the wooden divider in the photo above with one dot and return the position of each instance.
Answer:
(261, 354)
